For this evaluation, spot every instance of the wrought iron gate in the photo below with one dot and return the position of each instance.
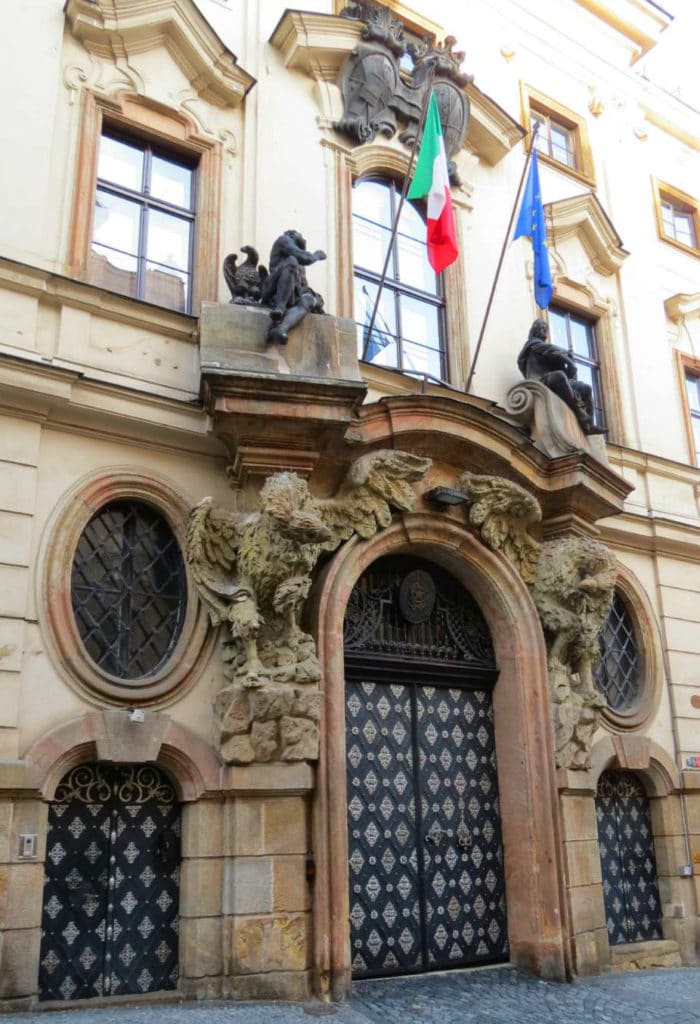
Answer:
(110, 914)
(630, 886)
(425, 854)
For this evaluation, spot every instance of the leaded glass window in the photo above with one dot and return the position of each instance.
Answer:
(128, 590)
(617, 675)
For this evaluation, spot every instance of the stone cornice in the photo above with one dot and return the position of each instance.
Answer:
(682, 306)
(318, 45)
(127, 27)
(640, 23)
(584, 217)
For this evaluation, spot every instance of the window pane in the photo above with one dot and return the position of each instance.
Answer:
(116, 222)
(166, 287)
(370, 244)
(113, 270)
(414, 269)
(561, 145)
(419, 322)
(684, 228)
(381, 347)
(418, 359)
(120, 163)
(411, 223)
(557, 329)
(585, 373)
(168, 240)
(691, 384)
(372, 200)
(667, 219)
(171, 182)
(696, 435)
(581, 340)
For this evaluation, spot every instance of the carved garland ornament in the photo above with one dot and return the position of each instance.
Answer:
(376, 92)
(572, 581)
(254, 573)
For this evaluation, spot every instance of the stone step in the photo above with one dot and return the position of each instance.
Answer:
(639, 956)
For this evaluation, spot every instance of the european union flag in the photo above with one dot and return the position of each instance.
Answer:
(531, 223)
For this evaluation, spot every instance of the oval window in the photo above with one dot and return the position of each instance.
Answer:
(128, 590)
(617, 675)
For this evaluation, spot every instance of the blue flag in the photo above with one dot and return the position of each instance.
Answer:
(531, 223)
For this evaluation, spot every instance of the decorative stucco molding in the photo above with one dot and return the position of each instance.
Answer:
(584, 217)
(128, 27)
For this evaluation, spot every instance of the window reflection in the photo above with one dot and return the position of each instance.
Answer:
(408, 329)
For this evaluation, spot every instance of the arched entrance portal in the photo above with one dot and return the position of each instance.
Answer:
(628, 861)
(110, 909)
(425, 856)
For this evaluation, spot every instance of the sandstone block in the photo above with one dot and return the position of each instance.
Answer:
(238, 750)
(578, 813)
(263, 736)
(299, 739)
(21, 891)
(201, 887)
(290, 890)
(244, 827)
(233, 709)
(264, 944)
(271, 702)
(308, 704)
(5, 826)
(290, 986)
(583, 863)
(20, 956)
(200, 947)
(249, 886)
(202, 829)
(284, 828)
(587, 908)
(585, 952)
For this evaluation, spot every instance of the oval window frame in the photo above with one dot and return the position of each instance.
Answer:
(54, 598)
(651, 671)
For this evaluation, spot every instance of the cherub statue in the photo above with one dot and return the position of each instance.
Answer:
(286, 290)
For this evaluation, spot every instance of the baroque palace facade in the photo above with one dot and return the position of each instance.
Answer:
(313, 666)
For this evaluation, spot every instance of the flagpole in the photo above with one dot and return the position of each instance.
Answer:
(501, 258)
(404, 190)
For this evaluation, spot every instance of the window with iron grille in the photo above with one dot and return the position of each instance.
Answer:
(128, 590)
(409, 329)
(577, 335)
(617, 675)
(143, 224)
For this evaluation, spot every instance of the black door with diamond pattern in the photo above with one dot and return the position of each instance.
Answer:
(630, 885)
(110, 914)
(425, 855)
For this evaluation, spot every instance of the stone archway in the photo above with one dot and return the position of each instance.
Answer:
(523, 739)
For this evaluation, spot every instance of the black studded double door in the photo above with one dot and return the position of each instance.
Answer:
(110, 910)
(628, 862)
(425, 864)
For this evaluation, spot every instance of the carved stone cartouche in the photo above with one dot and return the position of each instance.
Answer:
(572, 582)
(254, 573)
(375, 93)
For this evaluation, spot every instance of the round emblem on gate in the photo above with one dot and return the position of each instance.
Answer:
(417, 596)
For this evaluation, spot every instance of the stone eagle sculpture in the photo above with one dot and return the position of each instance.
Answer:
(244, 281)
(254, 571)
(572, 581)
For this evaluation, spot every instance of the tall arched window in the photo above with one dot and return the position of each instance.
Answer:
(409, 329)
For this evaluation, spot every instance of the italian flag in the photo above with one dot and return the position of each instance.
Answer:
(430, 179)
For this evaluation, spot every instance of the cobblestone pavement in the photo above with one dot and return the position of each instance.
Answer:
(501, 995)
